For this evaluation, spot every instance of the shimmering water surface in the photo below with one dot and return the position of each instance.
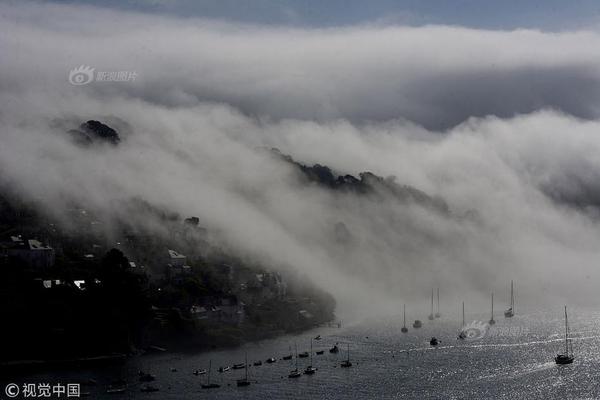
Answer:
(513, 361)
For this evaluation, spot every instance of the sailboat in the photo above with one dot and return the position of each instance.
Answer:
(404, 328)
(431, 317)
(511, 311)
(244, 381)
(462, 335)
(310, 369)
(491, 321)
(289, 356)
(295, 373)
(346, 363)
(209, 385)
(437, 314)
(568, 357)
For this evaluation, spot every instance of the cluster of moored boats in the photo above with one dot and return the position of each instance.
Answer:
(566, 358)
(294, 373)
(145, 378)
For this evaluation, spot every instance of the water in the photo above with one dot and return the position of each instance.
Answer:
(513, 361)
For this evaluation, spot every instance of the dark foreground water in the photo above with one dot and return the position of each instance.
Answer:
(514, 360)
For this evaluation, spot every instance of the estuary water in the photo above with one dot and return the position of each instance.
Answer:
(512, 359)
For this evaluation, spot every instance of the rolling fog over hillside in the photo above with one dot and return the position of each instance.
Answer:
(500, 126)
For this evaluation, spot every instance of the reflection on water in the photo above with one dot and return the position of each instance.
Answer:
(513, 361)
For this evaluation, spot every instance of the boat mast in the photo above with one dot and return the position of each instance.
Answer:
(348, 358)
(463, 313)
(431, 301)
(209, 369)
(512, 297)
(246, 366)
(566, 332)
(438, 300)
(492, 305)
(404, 325)
(311, 352)
(296, 347)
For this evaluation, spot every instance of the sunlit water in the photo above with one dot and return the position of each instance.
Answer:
(513, 361)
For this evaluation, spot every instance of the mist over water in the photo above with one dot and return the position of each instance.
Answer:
(501, 125)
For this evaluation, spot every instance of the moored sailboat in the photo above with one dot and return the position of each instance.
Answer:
(491, 321)
(244, 381)
(511, 311)
(209, 385)
(462, 335)
(431, 316)
(404, 328)
(310, 370)
(346, 363)
(568, 357)
(295, 373)
(437, 314)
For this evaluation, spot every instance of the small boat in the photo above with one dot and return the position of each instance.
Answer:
(257, 363)
(288, 357)
(173, 369)
(511, 311)
(431, 317)
(434, 341)
(147, 378)
(303, 355)
(319, 352)
(437, 314)
(116, 390)
(334, 349)
(149, 389)
(318, 337)
(244, 381)
(199, 372)
(295, 373)
(491, 321)
(310, 370)
(404, 328)
(239, 366)
(568, 357)
(346, 363)
(270, 360)
(209, 385)
(224, 369)
(417, 324)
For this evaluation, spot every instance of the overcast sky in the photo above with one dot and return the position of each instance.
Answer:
(508, 14)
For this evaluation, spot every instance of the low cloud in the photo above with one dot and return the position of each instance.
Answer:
(501, 125)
